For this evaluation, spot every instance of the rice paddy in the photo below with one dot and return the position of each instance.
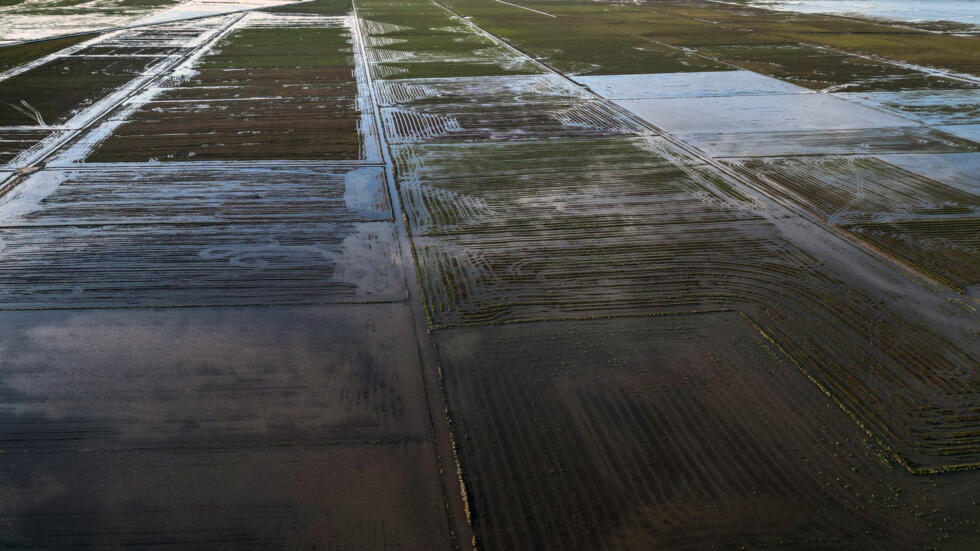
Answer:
(471, 274)
(227, 100)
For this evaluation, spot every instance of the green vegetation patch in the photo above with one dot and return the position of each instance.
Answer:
(262, 93)
(283, 47)
(819, 68)
(699, 36)
(393, 71)
(946, 249)
(418, 39)
(617, 41)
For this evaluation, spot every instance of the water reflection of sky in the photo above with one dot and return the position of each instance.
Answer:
(963, 11)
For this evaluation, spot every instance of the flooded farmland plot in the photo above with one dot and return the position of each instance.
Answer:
(474, 275)
(927, 223)
(227, 437)
(954, 169)
(49, 94)
(51, 99)
(274, 87)
(633, 433)
(313, 236)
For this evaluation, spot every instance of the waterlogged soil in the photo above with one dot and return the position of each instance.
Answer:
(63, 86)
(120, 239)
(852, 189)
(418, 39)
(133, 195)
(680, 85)
(821, 68)
(15, 142)
(277, 496)
(924, 222)
(707, 36)
(19, 54)
(39, 19)
(863, 141)
(226, 414)
(258, 427)
(545, 244)
(636, 433)
(778, 113)
(954, 169)
(932, 107)
(261, 93)
(966, 131)
(946, 248)
(637, 346)
(516, 225)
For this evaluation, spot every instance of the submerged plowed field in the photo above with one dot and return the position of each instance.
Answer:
(472, 274)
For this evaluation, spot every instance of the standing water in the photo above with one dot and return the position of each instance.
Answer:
(960, 11)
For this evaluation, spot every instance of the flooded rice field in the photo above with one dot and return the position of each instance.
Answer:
(212, 246)
(623, 424)
(463, 274)
(252, 96)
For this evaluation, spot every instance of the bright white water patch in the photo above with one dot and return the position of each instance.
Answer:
(686, 85)
(967, 131)
(204, 8)
(27, 197)
(772, 113)
(960, 170)
(961, 11)
(43, 19)
(39, 19)
(933, 107)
